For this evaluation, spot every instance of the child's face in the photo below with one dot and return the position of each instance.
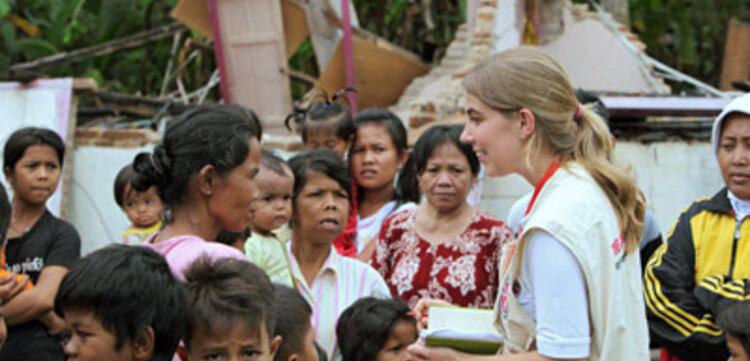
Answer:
(402, 335)
(734, 154)
(35, 176)
(736, 350)
(90, 341)
(326, 137)
(273, 207)
(237, 343)
(142, 208)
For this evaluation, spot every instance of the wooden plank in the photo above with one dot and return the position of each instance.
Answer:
(128, 42)
(382, 70)
(639, 107)
(736, 65)
(255, 68)
(194, 14)
(295, 25)
(84, 86)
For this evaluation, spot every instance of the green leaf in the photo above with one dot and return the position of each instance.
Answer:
(4, 7)
(8, 33)
(33, 48)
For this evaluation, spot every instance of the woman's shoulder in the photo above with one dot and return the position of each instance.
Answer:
(400, 217)
(360, 271)
(185, 246)
(484, 221)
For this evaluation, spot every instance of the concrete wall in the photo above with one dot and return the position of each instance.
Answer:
(671, 175)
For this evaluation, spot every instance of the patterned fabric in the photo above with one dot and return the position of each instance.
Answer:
(462, 271)
(339, 283)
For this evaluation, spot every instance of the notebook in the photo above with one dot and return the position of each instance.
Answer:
(469, 330)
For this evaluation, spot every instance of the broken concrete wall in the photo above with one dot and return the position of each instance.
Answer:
(595, 56)
(596, 59)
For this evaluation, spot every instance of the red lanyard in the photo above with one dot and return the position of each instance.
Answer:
(553, 167)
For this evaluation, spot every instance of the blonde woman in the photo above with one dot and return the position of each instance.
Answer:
(571, 287)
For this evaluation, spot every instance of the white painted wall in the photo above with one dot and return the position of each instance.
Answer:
(92, 208)
(671, 175)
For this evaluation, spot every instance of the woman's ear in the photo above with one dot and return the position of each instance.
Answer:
(143, 345)
(404, 158)
(527, 123)
(206, 179)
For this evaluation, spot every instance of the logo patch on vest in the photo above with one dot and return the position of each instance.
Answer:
(618, 246)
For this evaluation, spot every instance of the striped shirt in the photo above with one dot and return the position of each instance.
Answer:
(339, 283)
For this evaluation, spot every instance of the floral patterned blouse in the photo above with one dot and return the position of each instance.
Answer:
(462, 271)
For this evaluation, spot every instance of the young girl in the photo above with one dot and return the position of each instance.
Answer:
(142, 208)
(378, 154)
(736, 324)
(324, 123)
(327, 123)
(204, 172)
(376, 330)
(571, 286)
(39, 244)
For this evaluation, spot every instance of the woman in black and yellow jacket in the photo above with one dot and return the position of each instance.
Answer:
(704, 266)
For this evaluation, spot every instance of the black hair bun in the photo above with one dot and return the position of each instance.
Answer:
(151, 169)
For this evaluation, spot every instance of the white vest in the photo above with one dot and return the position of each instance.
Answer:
(574, 210)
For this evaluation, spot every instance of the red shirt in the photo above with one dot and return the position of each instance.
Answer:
(345, 244)
(462, 271)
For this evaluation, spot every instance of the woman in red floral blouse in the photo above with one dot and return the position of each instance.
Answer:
(444, 248)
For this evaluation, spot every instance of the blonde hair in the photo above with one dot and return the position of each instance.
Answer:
(527, 78)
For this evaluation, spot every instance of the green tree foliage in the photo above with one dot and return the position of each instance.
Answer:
(403, 23)
(66, 25)
(689, 35)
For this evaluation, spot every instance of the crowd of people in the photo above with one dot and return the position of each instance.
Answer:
(340, 251)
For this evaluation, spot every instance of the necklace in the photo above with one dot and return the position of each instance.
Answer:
(19, 231)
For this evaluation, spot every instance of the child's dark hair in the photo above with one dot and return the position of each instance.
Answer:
(404, 191)
(215, 135)
(319, 160)
(5, 211)
(127, 289)
(123, 179)
(24, 138)
(322, 111)
(269, 159)
(228, 238)
(292, 321)
(431, 139)
(225, 291)
(735, 321)
(365, 326)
